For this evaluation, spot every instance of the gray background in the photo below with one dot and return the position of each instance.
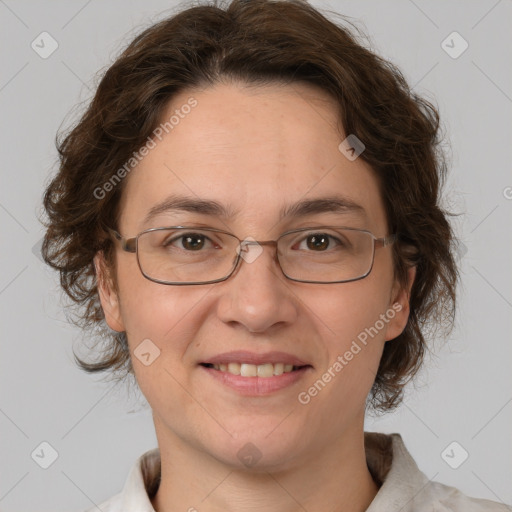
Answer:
(463, 395)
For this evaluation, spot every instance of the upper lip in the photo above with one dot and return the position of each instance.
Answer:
(242, 356)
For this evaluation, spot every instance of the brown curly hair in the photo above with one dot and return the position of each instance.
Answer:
(257, 42)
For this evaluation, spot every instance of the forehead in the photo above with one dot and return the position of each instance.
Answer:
(255, 150)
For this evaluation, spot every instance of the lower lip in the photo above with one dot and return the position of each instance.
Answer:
(257, 386)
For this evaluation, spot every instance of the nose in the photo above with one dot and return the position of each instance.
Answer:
(258, 296)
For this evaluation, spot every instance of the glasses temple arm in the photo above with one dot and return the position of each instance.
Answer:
(127, 244)
(387, 240)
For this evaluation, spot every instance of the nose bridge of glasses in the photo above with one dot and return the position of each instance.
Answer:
(244, 248)
(246, 242)
(245, 252)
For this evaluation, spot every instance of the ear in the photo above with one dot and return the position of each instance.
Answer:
(400, 305)
(108, 296)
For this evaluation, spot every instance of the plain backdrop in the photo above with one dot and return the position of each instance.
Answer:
(464, 394)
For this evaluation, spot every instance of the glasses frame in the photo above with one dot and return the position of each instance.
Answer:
(131, 244)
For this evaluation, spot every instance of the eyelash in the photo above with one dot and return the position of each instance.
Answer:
(168, 242)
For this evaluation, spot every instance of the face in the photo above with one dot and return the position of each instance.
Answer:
(255, 151)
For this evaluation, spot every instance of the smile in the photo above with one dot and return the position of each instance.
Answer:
(253, 380)
(264, 370)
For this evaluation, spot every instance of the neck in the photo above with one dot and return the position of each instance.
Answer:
(336, 479)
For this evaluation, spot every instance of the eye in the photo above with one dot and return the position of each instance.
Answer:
(189, 241)
(319, 242)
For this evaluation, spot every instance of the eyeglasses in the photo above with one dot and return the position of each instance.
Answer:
(179, 255)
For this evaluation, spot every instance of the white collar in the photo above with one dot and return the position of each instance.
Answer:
(404, 488)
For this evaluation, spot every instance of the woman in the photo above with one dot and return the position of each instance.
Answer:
(250, 207)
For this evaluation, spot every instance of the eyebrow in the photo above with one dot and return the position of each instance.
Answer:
(330, 204)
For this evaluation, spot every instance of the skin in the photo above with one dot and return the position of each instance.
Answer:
(255, 149)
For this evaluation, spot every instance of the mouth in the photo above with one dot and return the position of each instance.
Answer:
(265, 370)
(252, 374)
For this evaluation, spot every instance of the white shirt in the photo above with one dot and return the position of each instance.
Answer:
(403, 487)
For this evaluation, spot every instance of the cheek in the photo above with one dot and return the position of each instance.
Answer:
(162, 324)
(353, 318)
(354, 308)
(168, 316)
(353, 347)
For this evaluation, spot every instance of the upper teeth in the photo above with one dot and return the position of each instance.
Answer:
(254, 370)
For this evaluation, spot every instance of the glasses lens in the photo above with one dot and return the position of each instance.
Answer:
(186, 255)
(326, 254)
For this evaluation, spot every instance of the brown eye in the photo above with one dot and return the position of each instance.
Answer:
(318, 241)
(189, 242)
(193, 242)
